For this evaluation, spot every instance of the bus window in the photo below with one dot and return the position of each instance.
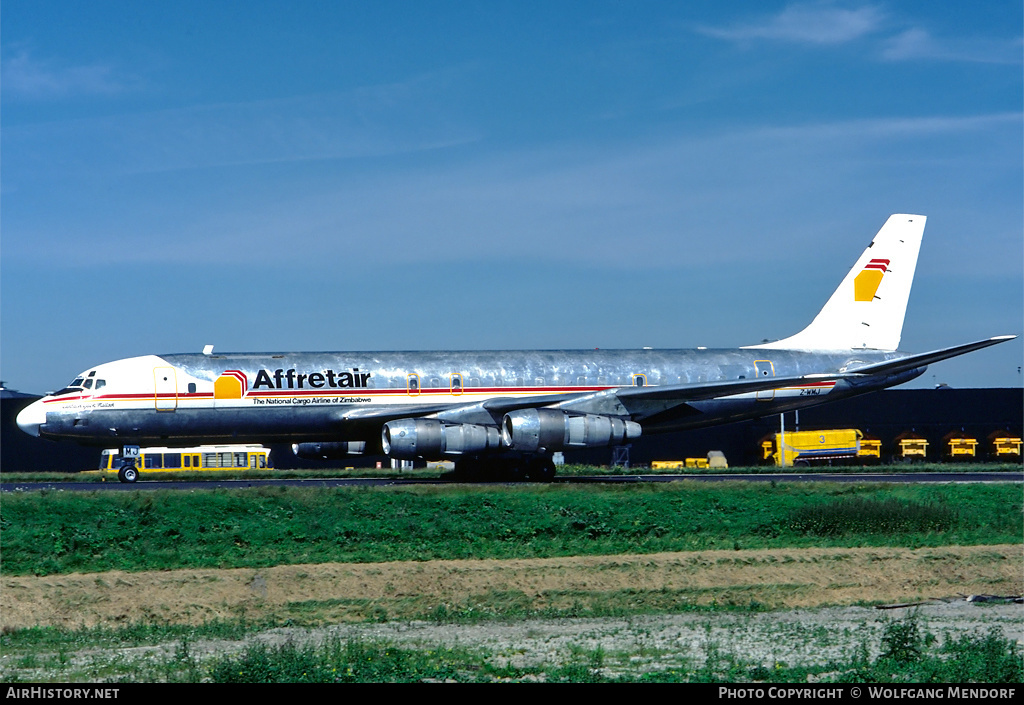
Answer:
(240, 461)
(172, 460)
(210, 460)
(152, 461)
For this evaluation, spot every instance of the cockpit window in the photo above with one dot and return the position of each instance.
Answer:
(100, 383)
(75, 386)
(88, 383)
(67, 390)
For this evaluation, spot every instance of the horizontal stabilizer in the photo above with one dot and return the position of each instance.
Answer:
(912, 362)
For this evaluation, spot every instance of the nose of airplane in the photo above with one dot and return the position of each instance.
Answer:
(31, 418)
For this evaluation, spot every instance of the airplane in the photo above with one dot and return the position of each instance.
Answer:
(500, 411)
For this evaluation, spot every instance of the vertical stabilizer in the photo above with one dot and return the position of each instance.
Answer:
(867, 310)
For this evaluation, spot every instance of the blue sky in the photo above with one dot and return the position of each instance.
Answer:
(270, 176)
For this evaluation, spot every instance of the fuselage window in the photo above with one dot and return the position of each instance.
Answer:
(456, 384)
(191, 387)
(639, 380)
(101, 383)
(414, 385)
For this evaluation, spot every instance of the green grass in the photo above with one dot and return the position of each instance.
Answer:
(52, 532)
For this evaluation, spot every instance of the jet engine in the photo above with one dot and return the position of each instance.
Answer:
(407, 439)
(539, 430)
(328, 450)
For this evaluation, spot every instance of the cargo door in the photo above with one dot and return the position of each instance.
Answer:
(165, 388)
(763, 369)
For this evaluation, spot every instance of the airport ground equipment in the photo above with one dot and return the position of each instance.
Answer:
(911, 448)
(870, 450)
(668, 465)
(818, 447)
(715, 459)
(190, 459)
(1005, 446)
(960, 447)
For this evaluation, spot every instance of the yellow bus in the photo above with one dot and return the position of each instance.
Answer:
(158, 459)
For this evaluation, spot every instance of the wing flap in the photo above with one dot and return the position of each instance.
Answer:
(713, 390)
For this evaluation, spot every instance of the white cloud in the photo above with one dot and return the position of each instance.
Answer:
(26, 77)
(816, 23)
(824, 23)
(919, 44)
(373, 121)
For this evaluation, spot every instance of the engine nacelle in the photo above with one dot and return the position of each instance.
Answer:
(534, 430)
(328, 450)
(408, 439)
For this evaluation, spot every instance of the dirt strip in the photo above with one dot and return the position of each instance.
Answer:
(775, 578)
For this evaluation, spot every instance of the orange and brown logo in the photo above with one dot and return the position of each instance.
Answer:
(233, 384)
(866, 283)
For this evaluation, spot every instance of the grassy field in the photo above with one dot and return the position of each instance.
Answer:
(52, 532)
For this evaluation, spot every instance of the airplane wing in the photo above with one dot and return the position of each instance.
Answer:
(912, 362)
(605, 401)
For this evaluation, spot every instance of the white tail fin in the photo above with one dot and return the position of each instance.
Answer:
(867, 309)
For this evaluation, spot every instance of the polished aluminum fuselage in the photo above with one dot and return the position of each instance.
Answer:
(185, 399)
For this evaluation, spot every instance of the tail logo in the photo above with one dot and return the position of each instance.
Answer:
(866, 283)
(233, 384)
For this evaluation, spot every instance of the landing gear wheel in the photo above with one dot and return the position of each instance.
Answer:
(541, 470)
(128, 473)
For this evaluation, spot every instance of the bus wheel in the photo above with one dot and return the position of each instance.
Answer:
(128, 473)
